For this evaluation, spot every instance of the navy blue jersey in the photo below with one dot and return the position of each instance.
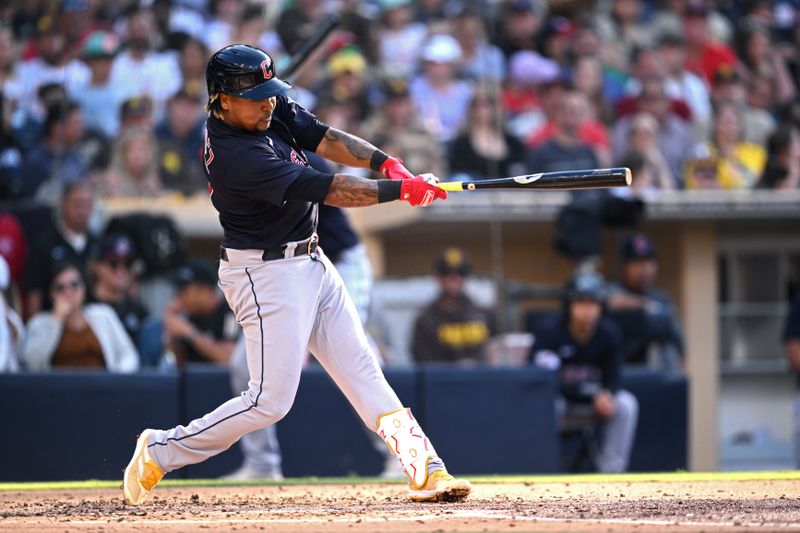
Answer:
(249, 173)
(583, 369)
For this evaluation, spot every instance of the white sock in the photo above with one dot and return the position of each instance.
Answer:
(434, 464)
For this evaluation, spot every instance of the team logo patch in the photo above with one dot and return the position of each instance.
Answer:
(295, 157)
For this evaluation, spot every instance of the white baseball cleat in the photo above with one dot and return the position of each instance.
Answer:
(440, 487)
(142, 473)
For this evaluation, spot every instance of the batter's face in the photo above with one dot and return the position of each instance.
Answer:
(247, 114)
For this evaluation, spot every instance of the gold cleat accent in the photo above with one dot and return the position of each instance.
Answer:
(141, 474)
(441, 487)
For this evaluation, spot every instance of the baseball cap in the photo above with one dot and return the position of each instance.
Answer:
(726, 74)
(637, 246)
(695, 8)
(672, 37)
(441, 48)
(452, 261)
(348, 59)
(530, 68)
(115, 246)
(100, 44)
(136, 107)
(395, 88)
(198, 271)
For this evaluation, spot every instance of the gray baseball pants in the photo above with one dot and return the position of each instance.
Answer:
(618, 432)
(285, 307)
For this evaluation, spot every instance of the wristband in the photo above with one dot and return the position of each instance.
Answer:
(377, 160)
(388, 190)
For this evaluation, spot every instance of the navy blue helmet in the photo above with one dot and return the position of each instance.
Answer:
(243, 71)
(586, 287)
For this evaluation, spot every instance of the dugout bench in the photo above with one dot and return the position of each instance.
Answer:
(81, 425)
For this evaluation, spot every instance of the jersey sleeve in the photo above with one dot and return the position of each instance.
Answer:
(259, 173)
(307, 129)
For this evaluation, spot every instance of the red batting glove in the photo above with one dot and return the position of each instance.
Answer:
(394, 169)
(417, 191)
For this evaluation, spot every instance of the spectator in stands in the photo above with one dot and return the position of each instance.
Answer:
(12, 330)
(452, 328)
(684, 85)
(50, 64)
(69, 239)
(757, 124)
(480, 60)
(100, 99)
(759, 59)
(76, 334)
(192, 61)
(27, 124)
(134, 167)
(725, 162)
(140, 67)
(675, 134)
(533, 81)
(180, 141)
(644, 134)
(298, 21)
(358, 26)
(791, 342)
(113, 284)
(347, 84)
(400, 39)
(704, 54)
(56, 160)
(590, 130)
(782, 170)
(198, 324)
(137, 112)
(585, 348)
(439, 97)
(484, 149)
(395, 123)
(621, 28)
(651, 327)
(587, 77)
(565, 150)
(225, 18)
(520, 22)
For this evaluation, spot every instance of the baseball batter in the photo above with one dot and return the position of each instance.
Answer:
(285, 293)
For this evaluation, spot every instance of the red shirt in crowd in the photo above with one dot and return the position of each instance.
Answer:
(709, 60)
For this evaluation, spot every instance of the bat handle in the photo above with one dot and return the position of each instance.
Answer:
(452, 186)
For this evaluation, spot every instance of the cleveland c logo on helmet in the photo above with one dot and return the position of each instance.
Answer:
(266, 68)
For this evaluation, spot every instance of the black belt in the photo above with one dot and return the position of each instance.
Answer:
(306, 247)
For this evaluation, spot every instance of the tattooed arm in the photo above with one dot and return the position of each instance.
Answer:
(345, 149)
(350, 191)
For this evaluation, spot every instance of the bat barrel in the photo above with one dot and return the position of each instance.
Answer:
(584, 179)
(562, 180)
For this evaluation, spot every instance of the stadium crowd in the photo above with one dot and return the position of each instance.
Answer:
(102, 99)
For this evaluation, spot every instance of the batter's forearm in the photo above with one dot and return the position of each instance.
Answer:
(345, 149)
(351, 191)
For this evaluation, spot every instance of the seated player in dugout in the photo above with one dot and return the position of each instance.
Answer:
(285, 292)
(199, 325)
(585, 348)
(452, 328)
(651, 329)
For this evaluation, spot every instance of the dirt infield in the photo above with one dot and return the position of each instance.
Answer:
(592, 507)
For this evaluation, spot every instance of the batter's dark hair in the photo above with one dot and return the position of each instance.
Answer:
(214, 106)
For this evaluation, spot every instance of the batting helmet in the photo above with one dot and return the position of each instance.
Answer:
(243, 71)
(586, 287)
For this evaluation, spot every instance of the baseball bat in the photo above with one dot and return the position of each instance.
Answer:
(562, 180)
(309, 45)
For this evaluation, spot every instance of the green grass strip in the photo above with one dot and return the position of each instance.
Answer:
(661, 477)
